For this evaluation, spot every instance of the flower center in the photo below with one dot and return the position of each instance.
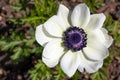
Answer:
(75, 38)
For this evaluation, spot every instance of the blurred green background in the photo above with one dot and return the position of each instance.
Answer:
(18, 21)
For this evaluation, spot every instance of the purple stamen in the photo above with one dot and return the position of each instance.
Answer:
(75, 38)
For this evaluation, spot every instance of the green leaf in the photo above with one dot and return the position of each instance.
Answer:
(99, 75)
(59, 74)
(9, 46)
(40, 72)
(93, 4)
(17, 8)
(30, 42)
(17, 53)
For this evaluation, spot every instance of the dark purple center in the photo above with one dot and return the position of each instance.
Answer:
(75, 38)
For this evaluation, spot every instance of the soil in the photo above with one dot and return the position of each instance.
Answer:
(11, 71)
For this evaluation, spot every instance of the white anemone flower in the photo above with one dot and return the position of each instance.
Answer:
(75, 39)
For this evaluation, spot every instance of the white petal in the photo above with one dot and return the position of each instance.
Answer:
(96, 21)
(53, 27)
(50, 63)
(107, 40)
(88, 65)
(80, 15)
(81, 68)
(70, 63)
(52, 52)
(102, 36)
(104, 30)
(95, 50)
(41, 36)
(63, 13)
(92, 67)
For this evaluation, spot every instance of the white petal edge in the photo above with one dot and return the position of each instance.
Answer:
(53, 27)
(50, 63)
(81, 68)
(95, 50)
(104, 30)
(69, 63)
(102, 36)
(63, 13)
(96, 21)
(41, 36)
(80, 15)
(88, 65)
(108, 40)
(52, 52)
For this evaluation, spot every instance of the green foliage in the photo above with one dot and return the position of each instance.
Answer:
(58, 74)
(99, 75)
(19, 44)
(22, 45)
(17, 54)
(116, 33)
(17, 6)
(93, 4)
(76, 76)
(39, 13)
(21, 49)
(40, 72)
